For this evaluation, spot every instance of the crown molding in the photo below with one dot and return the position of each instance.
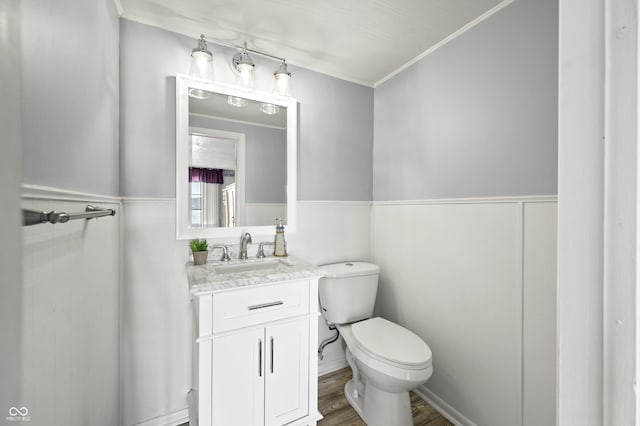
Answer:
(119, 8)
(446, 40)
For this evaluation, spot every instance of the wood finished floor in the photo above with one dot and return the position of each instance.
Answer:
(337, 411)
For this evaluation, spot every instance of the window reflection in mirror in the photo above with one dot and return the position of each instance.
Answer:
(212, 172)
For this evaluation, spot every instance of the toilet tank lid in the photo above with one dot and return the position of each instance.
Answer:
(349, 269)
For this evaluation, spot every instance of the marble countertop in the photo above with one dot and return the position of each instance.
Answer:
(205, 279)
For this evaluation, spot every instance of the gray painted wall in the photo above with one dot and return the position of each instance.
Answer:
(266, 158)
(477, 117)
(335, 132)
(11, 301)
(335, 138)
(69, 60)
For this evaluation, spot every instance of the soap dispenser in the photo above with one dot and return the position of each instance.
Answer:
(280, 249)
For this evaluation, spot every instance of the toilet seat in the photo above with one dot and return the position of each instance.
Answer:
(378, 352)
(391, 343)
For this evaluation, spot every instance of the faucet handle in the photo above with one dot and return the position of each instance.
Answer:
(261, 254)
(225, 253)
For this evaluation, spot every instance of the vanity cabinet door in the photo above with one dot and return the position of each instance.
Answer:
(239, 379)
(287, 372)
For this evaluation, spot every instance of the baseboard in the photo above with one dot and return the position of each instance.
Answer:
(456, 417)
(172, 419)
(327, 367)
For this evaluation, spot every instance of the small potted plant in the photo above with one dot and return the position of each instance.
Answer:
(200, 251)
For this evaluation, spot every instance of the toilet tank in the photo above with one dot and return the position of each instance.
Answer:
(348, 291)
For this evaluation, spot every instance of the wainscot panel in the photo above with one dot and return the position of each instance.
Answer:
(463, 274)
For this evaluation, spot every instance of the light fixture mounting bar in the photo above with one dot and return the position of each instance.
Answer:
(235, 46)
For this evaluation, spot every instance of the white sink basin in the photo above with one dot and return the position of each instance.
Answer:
(235, 268)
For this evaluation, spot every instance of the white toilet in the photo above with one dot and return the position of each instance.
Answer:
(387, 360)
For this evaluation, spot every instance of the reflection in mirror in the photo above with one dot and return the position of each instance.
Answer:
(212, 184)
(233, 159)
(218, 124)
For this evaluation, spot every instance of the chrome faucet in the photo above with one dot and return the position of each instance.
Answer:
(246, 239)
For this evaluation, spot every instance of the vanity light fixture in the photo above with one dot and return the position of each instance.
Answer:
(282, 81)
(202, 67)
(281, 88)
(202, 61)
(243, 63)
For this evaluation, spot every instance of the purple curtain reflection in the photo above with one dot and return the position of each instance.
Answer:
(198, 174)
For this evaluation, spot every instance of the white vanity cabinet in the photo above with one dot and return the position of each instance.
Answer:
(255, 357)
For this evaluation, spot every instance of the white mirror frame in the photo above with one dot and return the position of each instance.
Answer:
(184, 230)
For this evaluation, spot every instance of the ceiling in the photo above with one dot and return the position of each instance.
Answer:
(363, 41)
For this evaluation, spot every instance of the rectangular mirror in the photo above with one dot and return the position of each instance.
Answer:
(235, 160)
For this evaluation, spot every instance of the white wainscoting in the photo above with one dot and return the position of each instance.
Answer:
(156, 315)
(71, 299)
(539, 315)
(156, 311)
(463, 274)
(475, 278)
(332, 231)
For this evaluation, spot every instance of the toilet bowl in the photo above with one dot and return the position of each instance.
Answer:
(387, 360)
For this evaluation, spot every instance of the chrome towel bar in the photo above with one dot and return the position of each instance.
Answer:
(34, 217)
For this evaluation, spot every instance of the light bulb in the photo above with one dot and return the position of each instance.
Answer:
(199, 94)
(245, 76)
(269, 109)
(244, 65)
(201, 61)
(237, 101)
(282, 82)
